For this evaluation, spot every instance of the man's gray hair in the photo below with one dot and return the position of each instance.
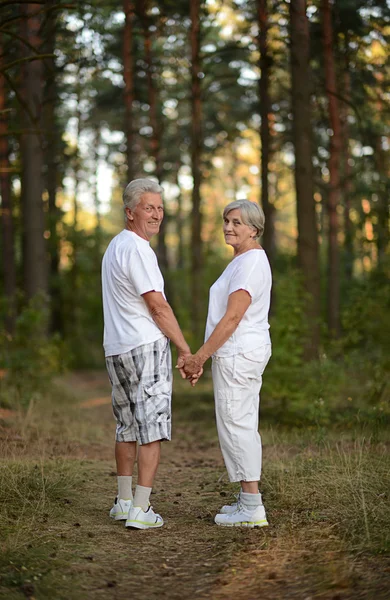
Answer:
(135, 190)
(251, 214)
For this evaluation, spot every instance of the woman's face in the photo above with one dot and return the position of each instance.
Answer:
(235, 231)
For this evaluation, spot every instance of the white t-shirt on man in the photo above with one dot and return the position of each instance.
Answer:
(129, 270)
(249, 271)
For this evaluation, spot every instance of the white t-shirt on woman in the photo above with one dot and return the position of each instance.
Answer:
(129, 270)
(249, 271)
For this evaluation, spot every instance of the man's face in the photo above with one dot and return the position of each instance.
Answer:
(145, 219)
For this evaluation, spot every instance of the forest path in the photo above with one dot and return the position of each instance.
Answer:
(189, 557)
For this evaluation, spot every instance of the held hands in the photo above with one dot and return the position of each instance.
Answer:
(190, 367)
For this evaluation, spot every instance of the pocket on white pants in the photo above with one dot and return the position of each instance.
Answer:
(251, 365)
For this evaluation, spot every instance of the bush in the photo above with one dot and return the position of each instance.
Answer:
(29, 358)
(348, 382)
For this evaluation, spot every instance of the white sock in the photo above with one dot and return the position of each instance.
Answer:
(251, 501)
(124, 487)
(141, 497)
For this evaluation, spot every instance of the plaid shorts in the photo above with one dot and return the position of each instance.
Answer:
(141, 392)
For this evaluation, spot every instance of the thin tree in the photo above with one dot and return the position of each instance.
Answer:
(155, 140)
(306, 215)
(128, 77)
(52, 151)
(346, 167)
(35, 267)
(265, 109)
(7, 229)
(196, 147)
(334, 189)
(95, 191)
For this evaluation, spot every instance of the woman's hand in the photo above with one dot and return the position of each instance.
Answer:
(190, 367)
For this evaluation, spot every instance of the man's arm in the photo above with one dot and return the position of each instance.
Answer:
(164, 318)
(238, 304)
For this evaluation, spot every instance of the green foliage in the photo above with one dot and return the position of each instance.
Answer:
(365, 318)
(29, 357)
(178, 288)
(82, 303)
(348, 383)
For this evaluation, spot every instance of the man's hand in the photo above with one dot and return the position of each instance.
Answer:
(194, 371)
(181, 359)
(192, 365)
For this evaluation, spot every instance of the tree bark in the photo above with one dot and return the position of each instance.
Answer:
(334, 173)
(265, 109)
(155, 141)
(35, 263)
(98, 230)
(346, 182)
(128, 76)
(7, 229)
(52, 149)
(196, 147)
(306, 215)
(382, 205)
(179, 221)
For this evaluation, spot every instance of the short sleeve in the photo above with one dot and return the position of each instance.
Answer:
(245, 277)
(144, 272)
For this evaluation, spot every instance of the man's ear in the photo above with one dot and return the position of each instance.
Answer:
(129, 214)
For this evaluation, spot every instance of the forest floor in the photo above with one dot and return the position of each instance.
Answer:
(58, 483)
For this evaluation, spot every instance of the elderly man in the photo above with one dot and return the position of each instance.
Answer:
(138, 324)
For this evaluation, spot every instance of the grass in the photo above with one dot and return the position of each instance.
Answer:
(342, 486)
(325, 490)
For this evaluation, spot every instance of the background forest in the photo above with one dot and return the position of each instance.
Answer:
(283, 103)
(286, 103)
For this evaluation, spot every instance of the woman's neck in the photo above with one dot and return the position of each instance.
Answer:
(253, 245)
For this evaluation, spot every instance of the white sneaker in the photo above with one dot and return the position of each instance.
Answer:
(140, 519)
(228, 509)
(243, 517)
(120, 510)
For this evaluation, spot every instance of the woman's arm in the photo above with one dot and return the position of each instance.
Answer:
(238, 304)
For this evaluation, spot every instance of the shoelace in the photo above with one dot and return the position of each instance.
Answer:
(240, 506)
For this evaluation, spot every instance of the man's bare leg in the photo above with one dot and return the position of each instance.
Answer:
(148, 461)
(125, 455)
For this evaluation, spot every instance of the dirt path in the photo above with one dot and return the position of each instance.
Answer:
(189, 557)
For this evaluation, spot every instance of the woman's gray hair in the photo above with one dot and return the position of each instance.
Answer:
(135, 190)
(251, 214)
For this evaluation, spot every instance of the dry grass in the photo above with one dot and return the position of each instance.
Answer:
(325, 497)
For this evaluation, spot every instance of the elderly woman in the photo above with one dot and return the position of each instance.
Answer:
(237, 338)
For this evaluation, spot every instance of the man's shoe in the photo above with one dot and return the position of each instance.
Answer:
(120, 510)
(140, 519)
(243, 517)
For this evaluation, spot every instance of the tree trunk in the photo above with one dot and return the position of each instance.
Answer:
(35, 265)
(98, 230)
(196, 147)
(179, 222)
(306, 215)
(128, 76)
(52, 149)
(155, 141)
(347, 182)
(7, 228)
(334, 173)
(265, 109)
(382, 205)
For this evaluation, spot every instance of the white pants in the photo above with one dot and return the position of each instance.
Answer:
(237, 381)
